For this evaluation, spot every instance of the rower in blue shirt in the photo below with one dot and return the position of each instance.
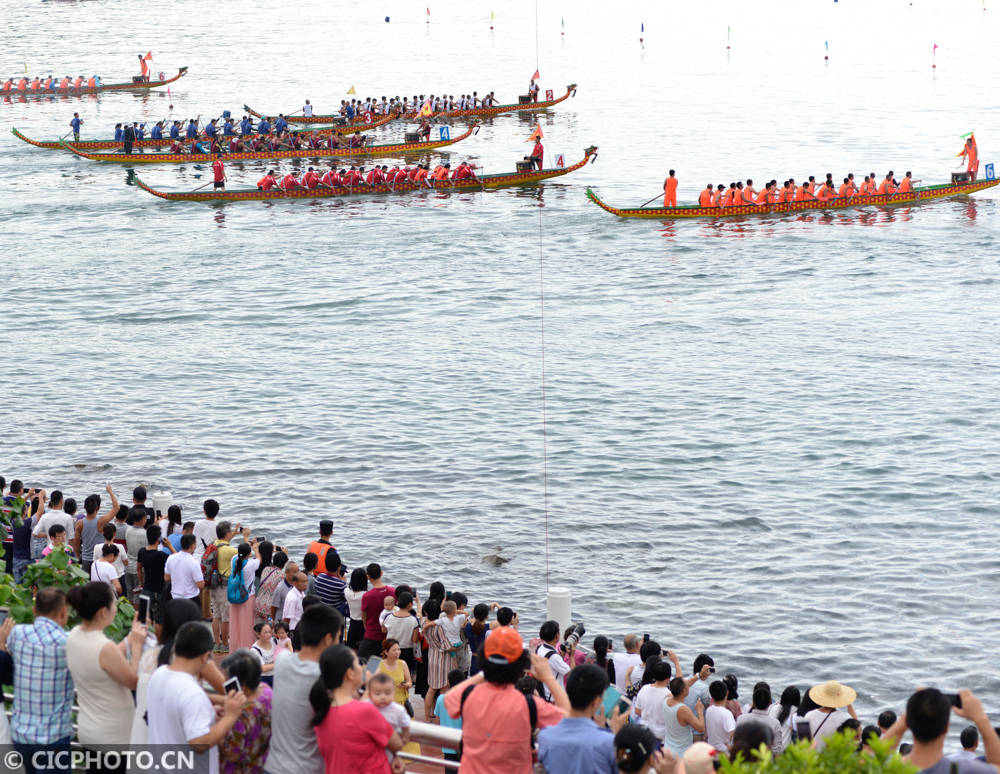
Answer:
(246, 126)
(211, 130)
(192, 130)
(263, 127)
(75, 124)
(350, 112)
(140, 132)
(175, 130)
(281, 124)
(156, 133)
(119, 134)
(228, 129)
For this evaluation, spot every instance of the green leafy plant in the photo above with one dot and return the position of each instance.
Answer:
(839, 756)
(56, 571)
(11, 514)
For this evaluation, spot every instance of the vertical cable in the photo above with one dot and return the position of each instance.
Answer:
(545, 448)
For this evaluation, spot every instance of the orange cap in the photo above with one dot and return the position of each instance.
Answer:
(504, 646)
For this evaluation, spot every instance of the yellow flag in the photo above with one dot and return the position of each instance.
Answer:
(351, 90)
(426, 109)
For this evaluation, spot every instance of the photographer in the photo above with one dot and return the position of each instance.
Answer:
(548, 649)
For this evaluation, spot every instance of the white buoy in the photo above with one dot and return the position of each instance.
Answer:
(161, 501)
(559, 607)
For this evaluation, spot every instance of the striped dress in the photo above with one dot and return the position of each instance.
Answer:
(438, 661)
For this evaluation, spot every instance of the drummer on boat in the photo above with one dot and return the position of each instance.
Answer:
(971, 154)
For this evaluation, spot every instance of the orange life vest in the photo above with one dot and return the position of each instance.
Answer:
(905, 186)
(885, 188)
(92, 82)
(705, 199)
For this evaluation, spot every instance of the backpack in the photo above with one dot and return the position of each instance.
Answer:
(236, 592)
(532, 715)
(210, 567)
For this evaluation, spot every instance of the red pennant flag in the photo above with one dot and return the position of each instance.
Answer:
(536, 134)
(536, 76)
(148, 57)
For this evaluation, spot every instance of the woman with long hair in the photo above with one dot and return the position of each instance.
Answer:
(436, 655)
(784, 711)
(241, 614)
(475, 633)
(351, 735)
(244, 749)
(270, 577)
(355, 590)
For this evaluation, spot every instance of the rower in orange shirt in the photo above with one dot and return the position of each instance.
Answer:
(906, 184)
(727, 196)
(826, 192)
(811, 186)
(749, 194)
(971, 153)
(764, 197)
(886, 188)
(804, 194)
(670, 191)
(267, 182)
(35, 84)
(846, 189)
(706, 197)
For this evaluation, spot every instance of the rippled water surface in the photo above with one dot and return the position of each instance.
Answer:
(774, 439)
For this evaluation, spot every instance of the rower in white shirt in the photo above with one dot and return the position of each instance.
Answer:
(307, 109)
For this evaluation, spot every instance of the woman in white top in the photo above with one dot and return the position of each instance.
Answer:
(103, 676)
(355, 590)
(785, 712)
(264, 648)
(241, 615)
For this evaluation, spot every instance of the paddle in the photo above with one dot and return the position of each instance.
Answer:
(203, 186)
(651, 200)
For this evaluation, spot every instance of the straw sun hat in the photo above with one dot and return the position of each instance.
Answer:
(832, 694)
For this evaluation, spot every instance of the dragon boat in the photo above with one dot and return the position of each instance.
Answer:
(471, 184)
(916, 196)
(145, 143)
(363, 152)
(414, 114)
(360, 125)
(127, 86)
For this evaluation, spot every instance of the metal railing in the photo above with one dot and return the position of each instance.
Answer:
(435, 736)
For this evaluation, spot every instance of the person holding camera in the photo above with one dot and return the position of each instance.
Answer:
(928, 714)
(548, 649)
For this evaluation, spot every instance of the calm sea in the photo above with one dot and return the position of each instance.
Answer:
(771, 439)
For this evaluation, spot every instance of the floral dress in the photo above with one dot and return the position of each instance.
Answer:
(248, 741)
(269, 580)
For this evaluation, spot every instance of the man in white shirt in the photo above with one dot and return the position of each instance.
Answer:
(204, 529)
(179, 711)
(183, 572)
(103, 569)
(623, 661)
(549, 650)
(831, 696)
(307, 110)
(292, 611)
(969, 739)
(719, 721)
(54, 515)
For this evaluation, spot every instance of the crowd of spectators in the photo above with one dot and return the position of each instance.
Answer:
(259, 663)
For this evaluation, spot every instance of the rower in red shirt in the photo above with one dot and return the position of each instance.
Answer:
(310, 179)
(333, 142)
(331, 179)
(537, 154)
(357, 140)
(218, 173)
(22, 85)
(289, 182)
(267, 182)
(236, 145)
(390, 176)
(176, 147)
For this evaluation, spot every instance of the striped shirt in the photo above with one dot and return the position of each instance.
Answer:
(43, 687)
(330, 588)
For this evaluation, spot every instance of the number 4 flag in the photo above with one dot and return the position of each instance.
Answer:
(560, 161)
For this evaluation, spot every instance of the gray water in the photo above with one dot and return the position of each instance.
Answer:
(772, 439)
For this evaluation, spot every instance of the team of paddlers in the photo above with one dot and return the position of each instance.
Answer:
(37, 84)
(355, 108)
(742, 195)
(357, 177)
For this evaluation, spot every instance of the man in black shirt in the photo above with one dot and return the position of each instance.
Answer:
(151, 563)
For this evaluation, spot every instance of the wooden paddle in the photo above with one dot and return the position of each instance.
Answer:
(203, 186)
(651, 200)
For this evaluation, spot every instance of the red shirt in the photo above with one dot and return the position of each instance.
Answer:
(288, 182)
(373, 603)
(331, 178)
(496, 728)
(352, 738)
(266, 182)
(218, 170)
(310, 180)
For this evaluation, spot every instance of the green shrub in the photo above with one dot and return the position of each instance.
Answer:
(840, 755)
